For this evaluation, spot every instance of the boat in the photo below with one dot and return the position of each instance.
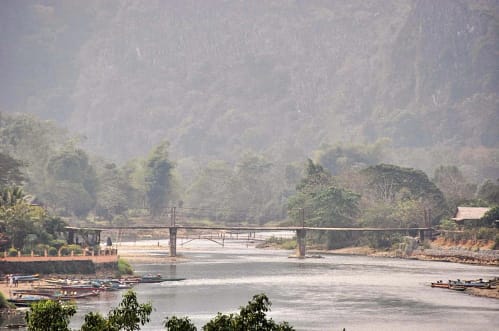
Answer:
(440, 284)
(157, 279)
(479, 283)
(457, 287)
(26, 300)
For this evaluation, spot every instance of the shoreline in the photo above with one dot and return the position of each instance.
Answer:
(140, 254)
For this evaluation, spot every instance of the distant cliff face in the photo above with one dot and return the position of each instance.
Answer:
(216, 78)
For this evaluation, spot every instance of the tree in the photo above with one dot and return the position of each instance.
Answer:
(129, 314)
(10, 171)
(391, 183)
(95, 322)
(324, 203)
(453, 185)
(113, 192)
(489, 192)
(49, 315)
(72, 181)
(251, 317)
(179, 324)
(158, 179)
(338, 159)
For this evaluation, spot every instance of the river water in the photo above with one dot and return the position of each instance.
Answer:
(330, 293)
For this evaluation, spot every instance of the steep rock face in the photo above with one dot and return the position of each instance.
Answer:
(216, 78)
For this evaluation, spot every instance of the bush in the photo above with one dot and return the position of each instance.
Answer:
(75, 248)
(486, 233)
(40, 249)
(57, 243)
(52, 251)
(12, 252)
(65, 251)
(3, 302)
(124, 268)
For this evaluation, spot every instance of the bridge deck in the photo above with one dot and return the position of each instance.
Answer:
(259, 228)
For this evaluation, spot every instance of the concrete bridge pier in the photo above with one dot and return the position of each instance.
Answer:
(300, 241)
(173, 241)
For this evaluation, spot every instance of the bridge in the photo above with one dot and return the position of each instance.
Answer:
(301, 232)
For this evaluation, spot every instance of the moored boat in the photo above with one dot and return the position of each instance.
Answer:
(26, 300)
(157, 279)
(440, 284)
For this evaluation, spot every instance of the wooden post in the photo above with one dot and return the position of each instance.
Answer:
(300, 241)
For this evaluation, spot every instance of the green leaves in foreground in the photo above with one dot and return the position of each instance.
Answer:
(49, 315)
(130, 316)
(252, 317)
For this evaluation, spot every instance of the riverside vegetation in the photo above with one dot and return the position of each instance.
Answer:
(130, 315)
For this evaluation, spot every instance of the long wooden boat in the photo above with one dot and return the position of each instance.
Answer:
(440, 284)
(26, 300)
(157, 279)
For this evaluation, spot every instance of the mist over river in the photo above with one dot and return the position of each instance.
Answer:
(330, 293)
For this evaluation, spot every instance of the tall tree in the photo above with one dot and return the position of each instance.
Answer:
(158, 179)
(10, 171)
(113, 192)
(453, 184)
(72, 181)
(391, 184)
(49, 315)
(323, 203)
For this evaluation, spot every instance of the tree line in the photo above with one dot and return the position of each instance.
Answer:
(44, 172)
(131, 315)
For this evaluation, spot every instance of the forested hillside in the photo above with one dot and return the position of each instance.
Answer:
(284, 79)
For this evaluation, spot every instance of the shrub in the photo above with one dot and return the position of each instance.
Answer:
(40, 249)
(75, 248)
(52, 251)
(3, 302)
(64, 251)
(124, 268)
(12, 252)
(57, 243)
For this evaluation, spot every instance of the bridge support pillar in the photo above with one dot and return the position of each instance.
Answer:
(300, 241)
(421, 235)
(173, 241)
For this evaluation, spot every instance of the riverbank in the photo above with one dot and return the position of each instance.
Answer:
(456, 254)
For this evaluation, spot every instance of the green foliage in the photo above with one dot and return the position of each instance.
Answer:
(447, 224)
(12, 252)
(49, 315)
(129, 314)
(10, 196)
(95, 322)
(490, 217)
(489, 192)
(338, 159)
(52, 251)
(392, 184)
(323, 203)
(124, 268)
(179, 324)
(72, 182)
(3, 301)
(10, 171)
(158, 179)
(114, 192)
(251, 317)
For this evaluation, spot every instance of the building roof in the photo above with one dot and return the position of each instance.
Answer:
(469, 213)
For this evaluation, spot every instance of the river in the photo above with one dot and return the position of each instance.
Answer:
(330, 293)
